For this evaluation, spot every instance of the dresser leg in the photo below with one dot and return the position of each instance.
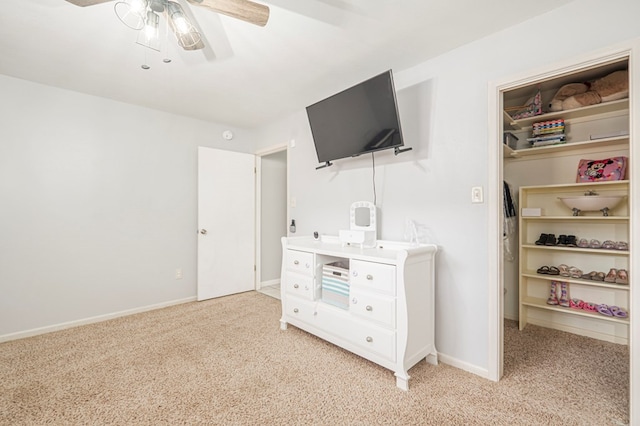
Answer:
(283, 325)
(402, 380)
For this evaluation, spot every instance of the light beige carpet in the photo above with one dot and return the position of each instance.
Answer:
(226, 362)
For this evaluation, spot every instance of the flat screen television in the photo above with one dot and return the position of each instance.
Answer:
(361, 119)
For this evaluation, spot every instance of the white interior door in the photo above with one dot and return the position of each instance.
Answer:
(226, 222)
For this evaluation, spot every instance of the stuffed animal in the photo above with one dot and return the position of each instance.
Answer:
(611, 87)
(564, 92)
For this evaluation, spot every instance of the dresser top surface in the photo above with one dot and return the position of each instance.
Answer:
(389, 251)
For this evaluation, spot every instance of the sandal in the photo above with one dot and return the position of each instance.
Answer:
(589, 276)
(622, 277)
(583, 243)
(543, 270)
(575, 272)
(553, 270)
(618, 312)
(576, 303)
(599, 276)
(589, 307)
(621, 245)
(608, 245)
(595, 244)
(564, 270)
(604, 310)
(611, 276)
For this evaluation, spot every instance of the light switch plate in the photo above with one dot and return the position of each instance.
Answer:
(476, 195)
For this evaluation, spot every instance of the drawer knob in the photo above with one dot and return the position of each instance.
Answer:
(295, 262)
(369, 308)
(369, 277)
(296, 286)
(306, 265)
(354, 273)
(295, 310)
(369, 339)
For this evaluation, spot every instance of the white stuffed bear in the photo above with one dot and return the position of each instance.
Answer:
(608, 88)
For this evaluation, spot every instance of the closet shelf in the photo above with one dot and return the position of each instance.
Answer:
(621, 105)
(578, 250)
(590, 283)
(619, 142)
(542, 304)
(595, 219)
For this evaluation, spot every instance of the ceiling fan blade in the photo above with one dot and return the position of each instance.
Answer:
(245, 10)
(83, 3)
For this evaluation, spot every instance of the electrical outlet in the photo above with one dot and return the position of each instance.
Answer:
(476, 195)
(178, 274)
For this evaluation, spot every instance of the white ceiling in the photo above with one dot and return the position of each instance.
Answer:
(248, 75)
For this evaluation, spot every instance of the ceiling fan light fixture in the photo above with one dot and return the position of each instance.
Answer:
(180, 21)
(149, 36)
(151, 25)
(132, 13)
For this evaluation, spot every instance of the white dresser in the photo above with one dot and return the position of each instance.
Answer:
(389, 316)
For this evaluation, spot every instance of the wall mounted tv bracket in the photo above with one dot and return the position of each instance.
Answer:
(397, 150)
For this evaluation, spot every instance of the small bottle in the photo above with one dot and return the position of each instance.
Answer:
(292, 227)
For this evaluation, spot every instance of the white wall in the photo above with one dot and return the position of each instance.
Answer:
(433, 188)
(98, 205)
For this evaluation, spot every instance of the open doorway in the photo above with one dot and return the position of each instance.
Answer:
(597, 132)
(272, 189)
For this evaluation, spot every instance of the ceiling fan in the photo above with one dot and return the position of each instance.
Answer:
(138, 14)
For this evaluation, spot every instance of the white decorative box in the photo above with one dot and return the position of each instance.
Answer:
(531, 212)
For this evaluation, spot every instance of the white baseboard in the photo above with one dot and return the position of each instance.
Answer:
(270, 283)
(454, 362)
(91, 320)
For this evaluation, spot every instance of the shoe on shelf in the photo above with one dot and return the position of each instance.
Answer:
(564, 295)
(564, 270)
(571, 241)
(542, 240)
(553, 295)
(575, 272)
(551, 240)
(621, 245)
(608, 245)
(562, 240)
(576, 303)
(622, 277)
(611, 276)
(595, 244)
(583, 243)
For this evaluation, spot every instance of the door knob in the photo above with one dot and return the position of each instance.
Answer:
(203, 231)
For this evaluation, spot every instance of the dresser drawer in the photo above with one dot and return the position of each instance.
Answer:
(301, 285)
(346, 326)
(300, 309)
(373, 307)
(374, 276)
(300, 261)
(378, 340)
